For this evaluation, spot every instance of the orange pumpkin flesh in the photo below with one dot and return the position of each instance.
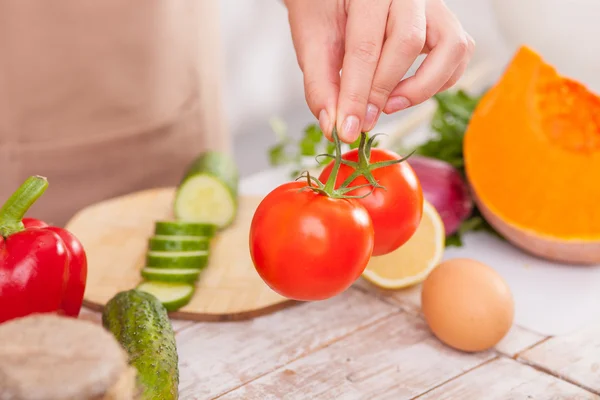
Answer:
(532, 157)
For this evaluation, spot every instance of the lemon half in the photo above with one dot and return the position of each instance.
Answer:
(412, 262)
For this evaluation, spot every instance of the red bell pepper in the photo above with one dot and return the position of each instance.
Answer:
(43, 269)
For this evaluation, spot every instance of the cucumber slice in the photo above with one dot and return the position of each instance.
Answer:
(173, 296)
(183, 275)
(208, 191)
(178, 243)
(184, 228)
(177, 259)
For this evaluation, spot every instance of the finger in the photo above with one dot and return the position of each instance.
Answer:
(459, 72)
(405, 40)
(437, 69)
(365, 29)
(321, 88)
(319, 50)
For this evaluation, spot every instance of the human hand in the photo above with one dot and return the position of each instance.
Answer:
(374, 43)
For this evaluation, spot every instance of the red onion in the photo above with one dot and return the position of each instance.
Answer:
(444, 187)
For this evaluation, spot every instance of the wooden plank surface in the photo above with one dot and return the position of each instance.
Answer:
(369, 345)
(574, 357)
(219, 357)
(506, 379)
(357, 346)
(115, 235)
(395, 358)
(518, 339)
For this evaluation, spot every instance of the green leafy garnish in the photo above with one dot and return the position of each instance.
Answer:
(474, 223)
(311, 144)
(449, 123)
(278, 154)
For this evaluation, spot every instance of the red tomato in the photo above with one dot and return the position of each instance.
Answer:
(307, 246)
(396, 210)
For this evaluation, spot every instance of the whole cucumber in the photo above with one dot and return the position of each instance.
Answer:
(141, 324)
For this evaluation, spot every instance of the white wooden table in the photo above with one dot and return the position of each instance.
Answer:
(368, 344)
(372, 344)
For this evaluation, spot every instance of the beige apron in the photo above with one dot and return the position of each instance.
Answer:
(106, 97)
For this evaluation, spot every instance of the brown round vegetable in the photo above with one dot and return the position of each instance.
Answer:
(60, 358)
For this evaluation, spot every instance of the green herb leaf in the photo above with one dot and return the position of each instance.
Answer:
(277, 155)
(454, 240)
(278, 152)
(449, 123)
(474, 223)
(309, 144)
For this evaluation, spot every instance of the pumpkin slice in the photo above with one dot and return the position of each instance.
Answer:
(532, 157)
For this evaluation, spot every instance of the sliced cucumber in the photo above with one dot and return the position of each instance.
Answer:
(184, 228)
(208, 191)
(173, 296)
(183, 275)
(178, 243)
(177, 259)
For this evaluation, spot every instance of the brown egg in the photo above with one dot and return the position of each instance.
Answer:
(467, 304)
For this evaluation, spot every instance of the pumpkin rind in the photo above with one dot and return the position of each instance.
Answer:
(532, 157)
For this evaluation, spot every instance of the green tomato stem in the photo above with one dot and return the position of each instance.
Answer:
(330, 184)
(364, 167)
(361, 168)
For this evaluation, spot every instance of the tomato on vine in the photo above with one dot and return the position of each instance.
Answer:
(309, 240)
(395, 199)
(309, 246)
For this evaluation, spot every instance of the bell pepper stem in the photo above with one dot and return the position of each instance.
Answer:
(15, 208)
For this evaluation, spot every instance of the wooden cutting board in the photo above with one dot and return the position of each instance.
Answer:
(115, 236)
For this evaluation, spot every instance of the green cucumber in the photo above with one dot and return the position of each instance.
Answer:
(185, 275)
(141, 324)
(208, 192)
(177, 259)
(184, 228)
(178, 243)
(173, 296)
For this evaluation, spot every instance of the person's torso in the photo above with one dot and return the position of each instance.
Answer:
(102, 97)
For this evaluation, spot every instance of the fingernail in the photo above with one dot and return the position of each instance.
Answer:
(397, 103)
(371, 117)
(350, 128)
(324, 121)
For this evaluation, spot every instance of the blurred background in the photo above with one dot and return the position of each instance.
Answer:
(262, 78)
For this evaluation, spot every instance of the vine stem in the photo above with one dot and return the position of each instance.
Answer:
(330, 185)
(364, 167)
(361, 168)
